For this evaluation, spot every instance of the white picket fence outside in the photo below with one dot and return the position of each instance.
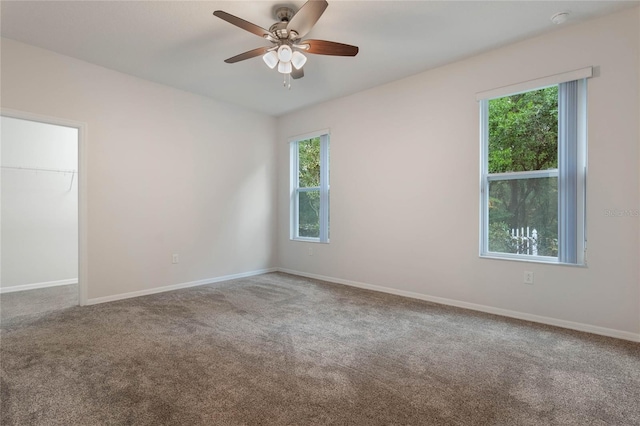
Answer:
(526, 240)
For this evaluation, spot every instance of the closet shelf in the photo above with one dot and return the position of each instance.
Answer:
(35, 169)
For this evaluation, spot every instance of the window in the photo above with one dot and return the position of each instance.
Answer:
(310, 188)
(533, 173)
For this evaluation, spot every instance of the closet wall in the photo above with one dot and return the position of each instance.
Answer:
(39, 225)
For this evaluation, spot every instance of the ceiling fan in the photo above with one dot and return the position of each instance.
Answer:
(286, 38)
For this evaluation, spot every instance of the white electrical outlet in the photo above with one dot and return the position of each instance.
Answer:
(175, 258)
(310, 251)
(528, 277)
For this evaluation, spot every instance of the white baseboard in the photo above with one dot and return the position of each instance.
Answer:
(625, 335)
(36, 286)
(178, 286)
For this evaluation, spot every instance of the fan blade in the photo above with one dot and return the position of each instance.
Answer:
(296, 74)
(247, 55)
(323, 47)
(307, 16)
(245, 25)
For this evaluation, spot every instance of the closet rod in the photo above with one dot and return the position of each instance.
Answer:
(33, 169)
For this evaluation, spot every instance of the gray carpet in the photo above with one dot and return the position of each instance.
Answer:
(283, 350)
(44, 300)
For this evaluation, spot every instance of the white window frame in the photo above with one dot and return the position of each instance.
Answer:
(324, 188)
(572, 243)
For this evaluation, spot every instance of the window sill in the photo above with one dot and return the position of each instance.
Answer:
(309, 240)
(532, 259)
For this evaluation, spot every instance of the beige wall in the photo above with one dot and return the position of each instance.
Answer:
(168, 172)
(405, 179)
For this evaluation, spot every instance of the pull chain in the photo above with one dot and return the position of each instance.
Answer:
(286, 81)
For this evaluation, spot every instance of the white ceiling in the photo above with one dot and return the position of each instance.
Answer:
(181, 43)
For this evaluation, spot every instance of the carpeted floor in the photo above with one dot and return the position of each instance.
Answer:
(41, 301)
(283, 350)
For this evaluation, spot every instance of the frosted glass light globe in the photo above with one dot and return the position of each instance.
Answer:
(271, 59)
(284, 53)
(298, 60)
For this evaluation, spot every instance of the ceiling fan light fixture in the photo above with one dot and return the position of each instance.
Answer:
(271, 59)
(298, 60)
(287, 39)
(284, 53)
(285, 67)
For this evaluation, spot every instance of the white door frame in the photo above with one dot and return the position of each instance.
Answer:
(83, 261)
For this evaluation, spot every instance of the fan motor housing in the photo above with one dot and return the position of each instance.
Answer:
(283, 14)
(280, 30)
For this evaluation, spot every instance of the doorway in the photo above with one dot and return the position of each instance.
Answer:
(41, 212)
